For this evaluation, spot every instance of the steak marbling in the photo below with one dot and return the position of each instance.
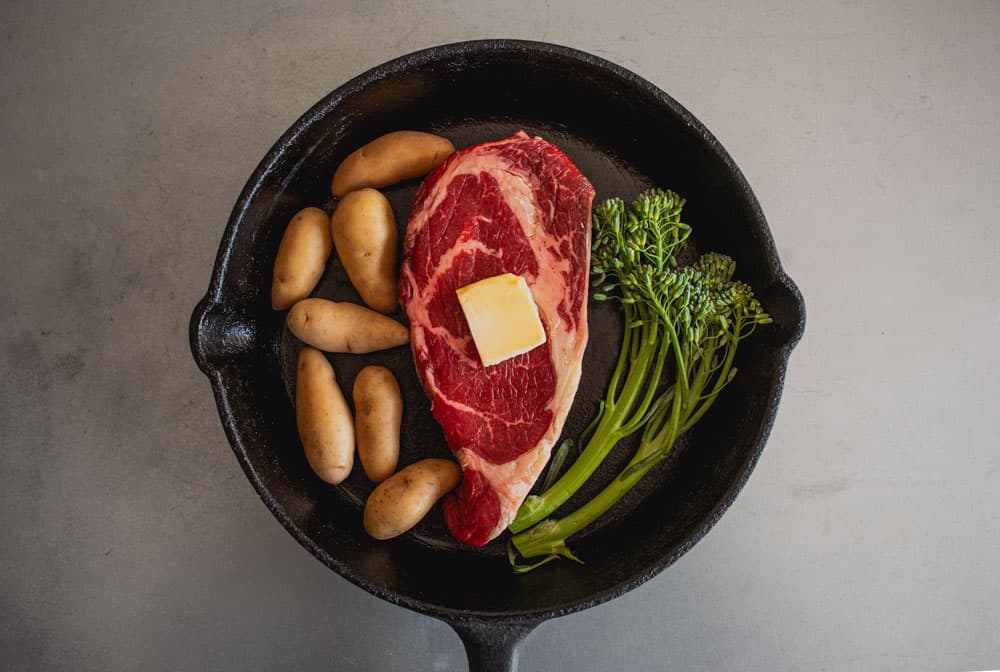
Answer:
(519, 206)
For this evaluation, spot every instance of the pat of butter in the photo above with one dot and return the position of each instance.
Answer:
(502, 317)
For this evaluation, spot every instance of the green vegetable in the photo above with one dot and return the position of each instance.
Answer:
(688, 320)
(556, 463)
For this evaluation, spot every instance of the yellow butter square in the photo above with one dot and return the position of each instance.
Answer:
(502, 317)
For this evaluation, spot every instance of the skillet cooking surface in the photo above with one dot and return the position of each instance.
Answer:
(625, 135)
(421, 435)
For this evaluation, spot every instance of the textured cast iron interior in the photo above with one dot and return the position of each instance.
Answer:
(624, 134)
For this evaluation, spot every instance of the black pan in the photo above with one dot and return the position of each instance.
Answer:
(625, 134)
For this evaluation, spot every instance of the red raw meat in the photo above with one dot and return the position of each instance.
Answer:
(519, 206)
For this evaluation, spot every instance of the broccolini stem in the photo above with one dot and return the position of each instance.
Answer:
(706, 366)
(652, 388)
(726, 373)
(622, 357)
(549, 536)
(615, 424)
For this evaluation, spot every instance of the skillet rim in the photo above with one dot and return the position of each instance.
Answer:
(203, 313)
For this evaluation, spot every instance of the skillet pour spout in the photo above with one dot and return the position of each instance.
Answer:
(472, 92)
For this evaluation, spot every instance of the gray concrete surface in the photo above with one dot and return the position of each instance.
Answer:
(867, 539)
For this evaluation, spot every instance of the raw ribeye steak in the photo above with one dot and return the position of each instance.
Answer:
(519, 206)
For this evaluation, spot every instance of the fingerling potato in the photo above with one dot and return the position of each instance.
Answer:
(302, 254)
(402, 500)
(336, 326)
(364, 233)
(391, 158)
(323, 418)
(378, 414)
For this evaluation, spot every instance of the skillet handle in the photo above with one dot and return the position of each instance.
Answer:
(491, 646)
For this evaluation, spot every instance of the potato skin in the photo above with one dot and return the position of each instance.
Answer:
(323, 418)
(302, 254)
(391, 158)
(336, 326)
(402, 500)
(378, 414)
(364, 232)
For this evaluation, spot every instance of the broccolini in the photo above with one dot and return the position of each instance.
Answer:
(685, 321)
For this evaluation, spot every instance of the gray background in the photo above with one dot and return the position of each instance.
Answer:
(868, 537)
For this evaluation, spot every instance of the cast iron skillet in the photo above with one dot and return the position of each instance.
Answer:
(625, 135)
